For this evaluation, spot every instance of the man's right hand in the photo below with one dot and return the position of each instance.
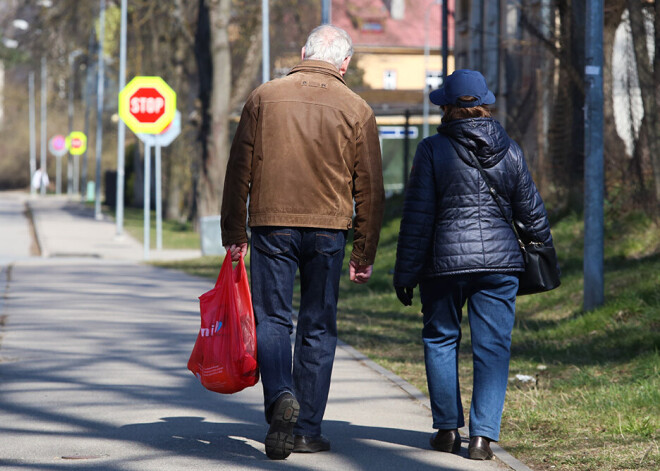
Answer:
(237, 250)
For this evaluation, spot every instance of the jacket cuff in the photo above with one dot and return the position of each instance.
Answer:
(404, 281)
(361, 259)
(234, 238)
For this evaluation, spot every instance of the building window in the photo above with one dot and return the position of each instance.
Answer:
(433, 79)
(389, 80)
(372, 27)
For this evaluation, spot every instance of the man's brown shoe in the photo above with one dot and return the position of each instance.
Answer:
(303, 444)
(479, 449)
(448, 441)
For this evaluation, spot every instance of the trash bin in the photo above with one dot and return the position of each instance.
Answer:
(91, 191)
(111, 188)
(211, 236)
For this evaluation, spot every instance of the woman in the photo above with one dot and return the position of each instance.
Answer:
(457, 245)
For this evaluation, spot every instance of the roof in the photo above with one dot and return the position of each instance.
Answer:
(370, 23)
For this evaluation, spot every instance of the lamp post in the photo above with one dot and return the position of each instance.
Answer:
(44, 114)
(445, 40)
(72, 176)
(121, 130)
(326, 12)
(425, 127)
(265, 41)
(33, 133)
(594, 291)
(99, 115)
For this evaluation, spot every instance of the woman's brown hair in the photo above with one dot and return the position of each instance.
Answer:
(452, 112)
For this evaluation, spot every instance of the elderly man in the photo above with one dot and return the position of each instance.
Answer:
(306, 149)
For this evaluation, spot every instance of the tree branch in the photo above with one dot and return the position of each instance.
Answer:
(250, 68)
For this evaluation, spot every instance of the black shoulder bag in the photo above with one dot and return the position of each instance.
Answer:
(541, 266)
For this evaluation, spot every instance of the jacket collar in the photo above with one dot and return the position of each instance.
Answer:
(318, 67)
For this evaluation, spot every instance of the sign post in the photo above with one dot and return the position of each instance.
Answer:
(147, 105)
(76, 142)
(157, 141)
(57, 146)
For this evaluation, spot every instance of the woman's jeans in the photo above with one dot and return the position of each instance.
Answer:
(491, 299)
(277, 253)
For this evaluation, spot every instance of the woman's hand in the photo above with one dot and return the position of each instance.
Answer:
(405, 294)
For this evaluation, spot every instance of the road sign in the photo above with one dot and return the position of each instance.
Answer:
(166, 137)
(76, 142)
(397, 132)
(147, 105)
(57, 145)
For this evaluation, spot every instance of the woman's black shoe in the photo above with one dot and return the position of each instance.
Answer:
(479, 449)
(448, 441)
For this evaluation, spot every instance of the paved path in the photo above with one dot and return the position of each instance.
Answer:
(15, 239)
(92, 376)
(68, 229)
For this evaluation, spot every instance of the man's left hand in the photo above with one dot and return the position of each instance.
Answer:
(237, 251)
(359, 274)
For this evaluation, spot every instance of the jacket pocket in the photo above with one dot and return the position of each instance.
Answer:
(330, 242)
(272, 241)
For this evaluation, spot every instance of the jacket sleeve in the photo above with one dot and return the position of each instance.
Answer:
(238, 178)
(416, 233)
(368, 193)
(526, 202)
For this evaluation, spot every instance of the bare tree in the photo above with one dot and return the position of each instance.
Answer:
(228, 50)
(648, 73)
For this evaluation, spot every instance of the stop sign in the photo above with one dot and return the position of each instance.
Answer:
(57, 145)
(147, 105)
(76, 142)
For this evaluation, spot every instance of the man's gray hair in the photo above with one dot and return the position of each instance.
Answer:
(330, 44)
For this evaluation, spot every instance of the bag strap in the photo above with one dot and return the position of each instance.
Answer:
(225, 270)
(491, 190)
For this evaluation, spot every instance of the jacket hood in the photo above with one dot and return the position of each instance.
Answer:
(321, 67)
(485, 137)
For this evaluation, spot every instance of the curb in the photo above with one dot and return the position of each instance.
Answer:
(419, 396)
(36, 240)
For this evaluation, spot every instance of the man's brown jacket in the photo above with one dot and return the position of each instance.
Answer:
(306, 145)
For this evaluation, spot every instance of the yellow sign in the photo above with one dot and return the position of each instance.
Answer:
(147, 105)
(76, 142)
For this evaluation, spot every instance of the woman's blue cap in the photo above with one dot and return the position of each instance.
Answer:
(463, 82)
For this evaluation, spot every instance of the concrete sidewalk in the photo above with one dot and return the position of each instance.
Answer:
(93, 353)
(67, 228)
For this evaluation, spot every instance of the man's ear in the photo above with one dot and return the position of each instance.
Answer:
(302, 53)
(344, 65)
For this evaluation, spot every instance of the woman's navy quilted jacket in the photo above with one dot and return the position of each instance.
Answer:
(451, 223)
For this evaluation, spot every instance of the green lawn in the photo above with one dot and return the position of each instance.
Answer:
(594, 403)
(176, 235)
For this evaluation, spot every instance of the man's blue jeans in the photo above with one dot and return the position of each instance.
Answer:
(491, 299)
(277, 253)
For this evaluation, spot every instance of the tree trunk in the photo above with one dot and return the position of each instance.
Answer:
(614, 146)
(566, 132)
(251, 66)
(217, 140)
(649, 83)
(655, 137)
(177, 166)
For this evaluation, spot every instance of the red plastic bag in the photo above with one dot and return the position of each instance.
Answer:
(224, 357)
